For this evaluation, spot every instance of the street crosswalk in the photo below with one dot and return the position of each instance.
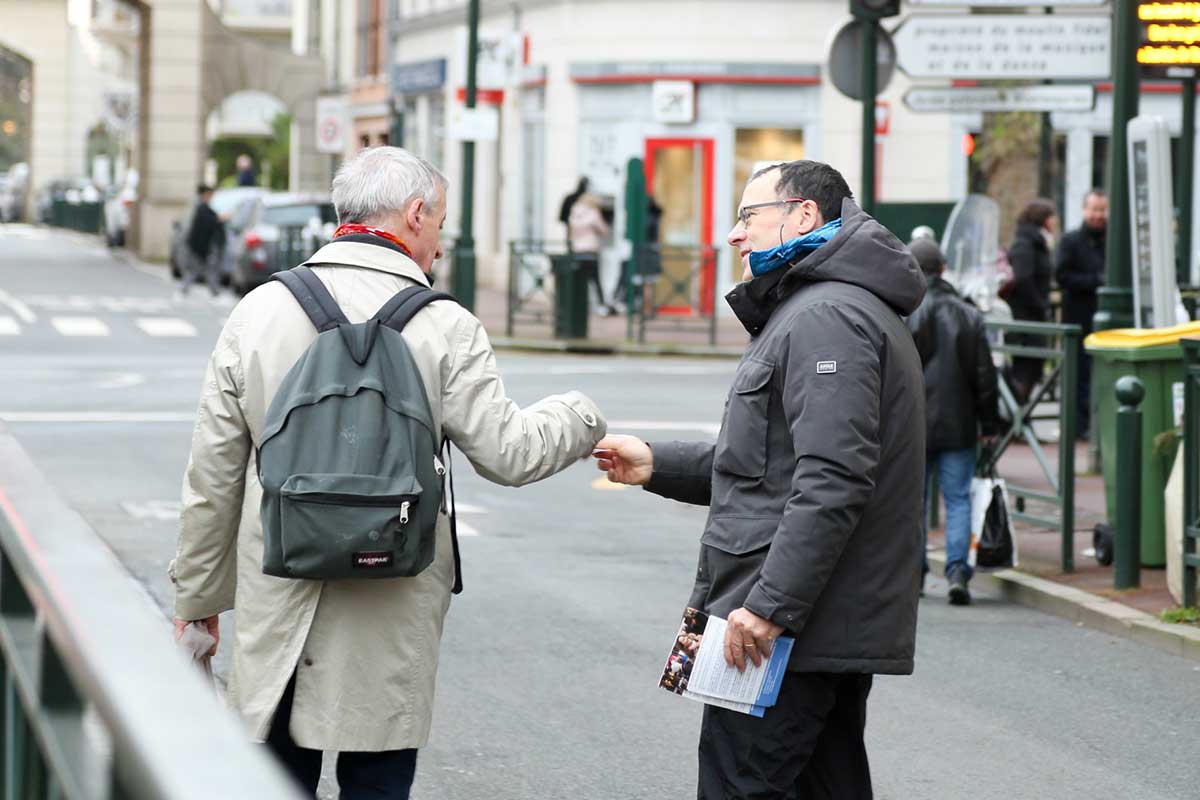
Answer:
(78, 316)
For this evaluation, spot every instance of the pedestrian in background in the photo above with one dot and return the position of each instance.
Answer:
(1029, 295)
(349, 665)
(246, 175)
(1080, 272)
(568, 202)
(813, 486)
(588, 233)
(202, 246)
(960, 406)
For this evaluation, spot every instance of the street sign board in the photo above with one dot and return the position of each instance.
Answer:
(1005, 46)
(333, 120)
(1151, 219)
(480, 124)
(845, 59)
(954, 100)
(1168, 33)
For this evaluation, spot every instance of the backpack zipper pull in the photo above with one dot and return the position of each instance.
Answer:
(404, 512)
(437, 466)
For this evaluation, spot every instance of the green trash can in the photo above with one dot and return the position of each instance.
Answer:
(570, 298)
(1154, 357)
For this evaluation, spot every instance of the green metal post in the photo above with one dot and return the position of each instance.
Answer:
(870, 57)
(1127, 549)
(463, 278)
(1183, 186)
(396, 132)
(635, 231)
(1115, 298)
(1067, 428)
(1191, 466)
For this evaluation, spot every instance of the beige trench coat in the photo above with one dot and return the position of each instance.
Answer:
(364, 652)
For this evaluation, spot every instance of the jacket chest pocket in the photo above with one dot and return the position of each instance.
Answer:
(742, 444)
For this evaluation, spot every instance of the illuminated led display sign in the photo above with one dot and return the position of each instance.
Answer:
(1169, 39)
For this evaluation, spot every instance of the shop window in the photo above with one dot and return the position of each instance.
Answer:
(364, 141)
(751, 147)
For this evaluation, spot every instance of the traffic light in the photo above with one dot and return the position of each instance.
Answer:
(874, 9)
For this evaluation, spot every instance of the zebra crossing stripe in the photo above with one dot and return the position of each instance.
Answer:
(79, 326)
(166, 326)
(9, 327)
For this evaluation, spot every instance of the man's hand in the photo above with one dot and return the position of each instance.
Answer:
(210, 624)
(626, 459)
(748, 634)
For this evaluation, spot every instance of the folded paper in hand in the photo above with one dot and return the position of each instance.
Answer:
(696, 668)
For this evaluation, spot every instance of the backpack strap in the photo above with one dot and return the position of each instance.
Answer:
(404, 305)
(458, 581)
(313, 297)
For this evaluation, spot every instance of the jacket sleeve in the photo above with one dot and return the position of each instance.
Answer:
(834, 424)
(205, 568)
(506, 444)
(1069, 271)
(987, 393)
(682, 471)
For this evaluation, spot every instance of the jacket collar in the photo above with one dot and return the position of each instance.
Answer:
(754, 301)
(368, 255)
(942, 286)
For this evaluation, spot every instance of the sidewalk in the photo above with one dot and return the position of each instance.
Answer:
(608, 334)
(1086, 595)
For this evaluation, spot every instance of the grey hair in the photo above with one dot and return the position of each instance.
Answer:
(382, 180)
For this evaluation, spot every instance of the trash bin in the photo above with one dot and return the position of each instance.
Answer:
(570, 298)
(1155, 357)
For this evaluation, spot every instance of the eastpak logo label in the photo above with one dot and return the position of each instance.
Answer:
(371, 559)
(826, 367)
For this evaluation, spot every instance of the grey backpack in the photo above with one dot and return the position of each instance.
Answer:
(351, 477)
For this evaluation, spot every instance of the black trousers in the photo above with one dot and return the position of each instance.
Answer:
(386, 775)
(809, 746)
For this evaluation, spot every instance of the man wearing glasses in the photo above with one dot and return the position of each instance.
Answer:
(814, 485)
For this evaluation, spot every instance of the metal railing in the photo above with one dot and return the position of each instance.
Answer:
(531, 282)
(1191, 467)
(97, 700)
(671, 287)
(1064, 356)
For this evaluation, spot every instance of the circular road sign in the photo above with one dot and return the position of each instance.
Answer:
(845, 59)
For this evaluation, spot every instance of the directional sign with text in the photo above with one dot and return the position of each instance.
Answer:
(1168, 33)
(1005, 46)
(987, 98)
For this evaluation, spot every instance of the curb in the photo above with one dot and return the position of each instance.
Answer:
(1087, 609)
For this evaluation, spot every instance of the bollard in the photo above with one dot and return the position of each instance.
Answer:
(1128, 545)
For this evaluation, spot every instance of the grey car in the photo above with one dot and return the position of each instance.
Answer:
(277, 232)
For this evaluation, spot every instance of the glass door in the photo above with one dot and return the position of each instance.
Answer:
(679, 176)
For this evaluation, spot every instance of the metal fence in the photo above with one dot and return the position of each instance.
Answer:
(663, 288)
(531, 282)
(97, 701)
(1060, 346)
(672, 288)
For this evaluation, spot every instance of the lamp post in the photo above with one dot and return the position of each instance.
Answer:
(463, 275)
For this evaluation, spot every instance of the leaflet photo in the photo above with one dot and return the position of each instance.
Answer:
(683, 654)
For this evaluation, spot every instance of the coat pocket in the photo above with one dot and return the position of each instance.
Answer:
(742, 444)
(739, 535)
(350, 526)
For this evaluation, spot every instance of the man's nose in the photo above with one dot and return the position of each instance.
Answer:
(439, 252)
(737, 235)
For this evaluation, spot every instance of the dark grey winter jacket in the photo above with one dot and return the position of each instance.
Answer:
(814, 484)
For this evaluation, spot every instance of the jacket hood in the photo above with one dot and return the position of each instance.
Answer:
(863, 253)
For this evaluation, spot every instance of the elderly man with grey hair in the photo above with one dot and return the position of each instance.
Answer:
(349, 665)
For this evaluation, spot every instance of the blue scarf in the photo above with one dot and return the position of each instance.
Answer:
(764, 261)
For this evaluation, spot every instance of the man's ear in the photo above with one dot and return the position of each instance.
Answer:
(412, 215)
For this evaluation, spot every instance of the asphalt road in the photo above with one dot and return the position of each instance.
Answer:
(574, 588)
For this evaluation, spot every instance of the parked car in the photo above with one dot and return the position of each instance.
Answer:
(117, 204)
(279, 231)
(233, 201)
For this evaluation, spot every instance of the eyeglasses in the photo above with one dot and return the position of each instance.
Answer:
(743, 214)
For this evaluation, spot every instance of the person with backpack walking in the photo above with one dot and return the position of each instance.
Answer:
(317, 490)
(961, 405)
